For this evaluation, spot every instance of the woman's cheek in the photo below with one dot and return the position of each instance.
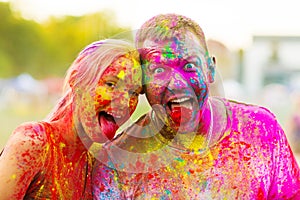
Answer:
(102, 98)
(132, 104)
(154, 94)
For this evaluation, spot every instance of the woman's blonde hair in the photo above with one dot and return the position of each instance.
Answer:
(92, 61)
(88, 67)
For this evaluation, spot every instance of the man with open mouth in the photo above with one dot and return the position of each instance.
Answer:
(192, 146)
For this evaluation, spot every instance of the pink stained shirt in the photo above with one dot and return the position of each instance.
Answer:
(252, 160)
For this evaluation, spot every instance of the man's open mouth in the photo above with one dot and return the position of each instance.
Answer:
(181, 109)
(108, 124)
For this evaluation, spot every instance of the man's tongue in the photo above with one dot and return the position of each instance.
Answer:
(108, 126)
(181, 113)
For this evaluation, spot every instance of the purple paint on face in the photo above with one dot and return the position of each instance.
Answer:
(174, 77)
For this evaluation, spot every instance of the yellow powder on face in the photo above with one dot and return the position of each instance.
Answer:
(121, 75)
(13, 176)
(103, 92)
(135, 64)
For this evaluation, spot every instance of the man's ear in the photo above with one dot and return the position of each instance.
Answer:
(211, 66)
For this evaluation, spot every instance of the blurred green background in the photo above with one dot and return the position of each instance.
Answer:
(48, 48)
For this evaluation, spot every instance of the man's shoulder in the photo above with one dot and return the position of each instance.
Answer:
(247, 109)
(246, 118)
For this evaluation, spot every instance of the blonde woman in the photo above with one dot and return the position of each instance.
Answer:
(50, 159)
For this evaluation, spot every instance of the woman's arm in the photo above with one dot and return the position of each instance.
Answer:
(22, 157)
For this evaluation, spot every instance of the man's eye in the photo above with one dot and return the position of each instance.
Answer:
(159, 70)
(190, 67)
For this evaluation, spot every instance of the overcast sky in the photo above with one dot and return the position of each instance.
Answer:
(232, 22)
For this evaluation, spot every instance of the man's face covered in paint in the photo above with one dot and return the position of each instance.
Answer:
(175, 82)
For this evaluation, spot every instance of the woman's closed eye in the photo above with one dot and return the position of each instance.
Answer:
(110, 84)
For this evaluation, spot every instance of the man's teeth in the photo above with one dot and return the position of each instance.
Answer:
(184, 101)
(180, 100)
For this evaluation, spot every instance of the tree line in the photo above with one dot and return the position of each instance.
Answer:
(48, 48)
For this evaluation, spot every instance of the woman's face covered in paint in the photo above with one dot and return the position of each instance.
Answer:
(114, 99)
(175, 82)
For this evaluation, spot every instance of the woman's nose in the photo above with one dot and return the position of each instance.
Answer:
(120, 101)
(120, 97)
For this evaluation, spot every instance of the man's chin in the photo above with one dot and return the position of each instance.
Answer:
(182, 128)
(186, 128)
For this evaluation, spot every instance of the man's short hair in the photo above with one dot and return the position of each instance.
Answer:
(164, 26)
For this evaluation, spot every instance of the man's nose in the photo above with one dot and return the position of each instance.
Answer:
(177, 80)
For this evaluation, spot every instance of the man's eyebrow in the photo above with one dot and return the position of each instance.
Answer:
(150, 51)
(196, 57)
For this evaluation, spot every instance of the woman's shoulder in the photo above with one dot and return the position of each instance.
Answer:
(32, 133)
(28, 145)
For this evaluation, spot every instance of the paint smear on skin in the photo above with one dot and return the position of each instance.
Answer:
(169, 53)
(121, 75)
(136, 65)
(102, 93)
(55, 176)
(13, 176)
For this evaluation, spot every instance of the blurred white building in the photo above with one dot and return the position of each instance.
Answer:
(271, 59)
(23, 89)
